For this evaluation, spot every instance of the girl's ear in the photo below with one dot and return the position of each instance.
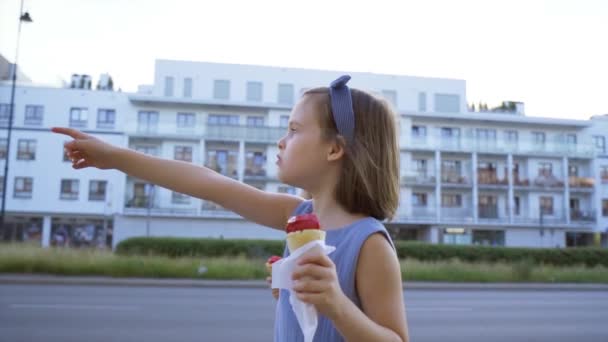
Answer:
(336, 149)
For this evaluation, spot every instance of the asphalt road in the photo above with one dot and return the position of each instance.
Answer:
(58, 313)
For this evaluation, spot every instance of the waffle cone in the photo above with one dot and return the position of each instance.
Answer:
(299, 238)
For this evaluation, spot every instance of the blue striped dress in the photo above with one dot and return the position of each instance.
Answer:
(348, 241)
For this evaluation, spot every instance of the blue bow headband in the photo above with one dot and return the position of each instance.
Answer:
(342, 108)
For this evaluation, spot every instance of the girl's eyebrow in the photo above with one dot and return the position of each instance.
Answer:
(295, 123)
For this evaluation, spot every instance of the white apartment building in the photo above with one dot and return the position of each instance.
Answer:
(493, 178)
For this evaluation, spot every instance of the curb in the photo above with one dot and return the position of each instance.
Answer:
(200, 283)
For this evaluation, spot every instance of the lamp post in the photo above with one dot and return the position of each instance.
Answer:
(23, 17)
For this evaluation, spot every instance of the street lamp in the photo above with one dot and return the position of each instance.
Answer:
(23, 17)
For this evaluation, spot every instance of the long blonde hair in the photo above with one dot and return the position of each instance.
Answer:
(369, 180)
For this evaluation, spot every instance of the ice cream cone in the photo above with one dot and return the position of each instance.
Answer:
(269, 262)
(303, 229)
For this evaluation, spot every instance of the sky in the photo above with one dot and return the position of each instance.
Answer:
(550, 54)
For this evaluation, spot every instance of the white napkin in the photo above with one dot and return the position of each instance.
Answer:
(282, 271)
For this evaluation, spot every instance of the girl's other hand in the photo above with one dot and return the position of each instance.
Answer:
(316, 282)
(86, 150)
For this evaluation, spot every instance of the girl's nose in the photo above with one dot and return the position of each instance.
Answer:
(281, 143)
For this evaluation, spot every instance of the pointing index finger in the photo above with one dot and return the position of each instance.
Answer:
(76, 134)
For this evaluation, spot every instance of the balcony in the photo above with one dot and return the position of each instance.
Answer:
(417, 177)
(213, 210)
(255, 174)
(577, 215)
(137, 202)
(457, 215)
(422, 214)
(488, 177)
(260, 134)
(453, 179)
(556, 219)
(487, 212)
(548, 181)
(581, 183)
(500, 146)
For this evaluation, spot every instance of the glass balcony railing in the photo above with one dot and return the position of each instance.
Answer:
(581, 182)
(469, 144)
(489, 177)
(582, 215)
(464, 214)
(418, 177)
(548, 181)
(260, 134)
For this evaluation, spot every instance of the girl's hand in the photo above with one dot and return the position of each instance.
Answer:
(275, 292)
(316, 282)
(86, 150)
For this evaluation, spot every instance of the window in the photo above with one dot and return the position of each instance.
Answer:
(572, 170)
(216, 120)
(221, 89)
(511, 137)
(5, 113)
(419, 199)
(23, 187)
(538, 138)
(254, 163)
(1, 184)
(147, 122)
(97, 190)
(33, 115)
(604, 173)
(78, 117)
(69, 189)
(418, 131)
(106, 118)
(169, 86)
(187, 87)
(605, 207)
(451, 201)
(3, 148)
(254, 91)
(516, 200)
(26, 149)
(178, 198)
(450, 132)
(545, 169)
(571, 139)
(285, 95)
(447, 103)
(450, 171)
(485, 135)
(183, 153)
(185, 120)
(420, 165)
(600, 144)
(546, 205)
(255, 121)
(65, 156)
(422, 101)
(390, 96)
(284, 189)
(284, 121)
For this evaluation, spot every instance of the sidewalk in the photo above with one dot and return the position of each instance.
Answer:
(108, 281)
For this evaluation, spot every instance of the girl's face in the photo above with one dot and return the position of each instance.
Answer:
(302, 157)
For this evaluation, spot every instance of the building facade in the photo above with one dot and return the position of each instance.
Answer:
(468, 177)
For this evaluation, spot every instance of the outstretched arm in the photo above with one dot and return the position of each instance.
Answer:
(264, 208)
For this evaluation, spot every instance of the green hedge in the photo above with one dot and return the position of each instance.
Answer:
(185, 247)
(181, 247)
(548, 256)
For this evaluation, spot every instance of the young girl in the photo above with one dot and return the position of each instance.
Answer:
(342, 149)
